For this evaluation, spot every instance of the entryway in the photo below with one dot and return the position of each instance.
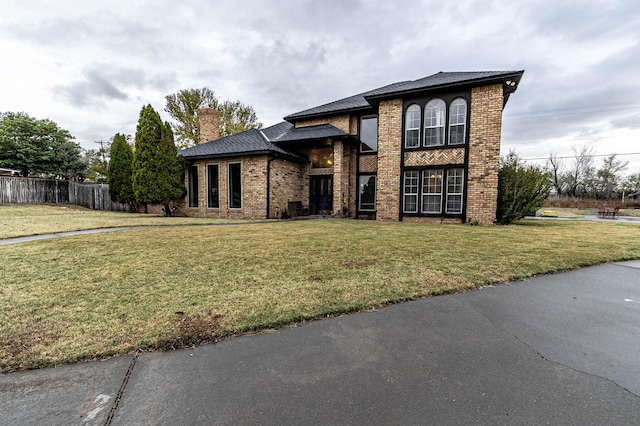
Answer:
(321, 194)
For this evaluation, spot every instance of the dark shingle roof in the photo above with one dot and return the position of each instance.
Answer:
(321, 131)
(249, 142)
(259, 142)
(435, 81)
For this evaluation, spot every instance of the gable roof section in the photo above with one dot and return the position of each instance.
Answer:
(262, 142)
(364, 101)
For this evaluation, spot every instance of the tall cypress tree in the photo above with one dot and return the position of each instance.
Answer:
(120, 172)
(157, 170)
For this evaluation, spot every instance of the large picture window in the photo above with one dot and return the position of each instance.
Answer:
(434, 114)
(235, 186)
(432, 191)
(410, 199)
(369, 134)
(192, 185)
(457, 121)
(213, 186)
(367, 188)
(412, 126)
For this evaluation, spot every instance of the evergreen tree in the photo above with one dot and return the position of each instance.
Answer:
(522, 189)
(157, 170)
(120, 172)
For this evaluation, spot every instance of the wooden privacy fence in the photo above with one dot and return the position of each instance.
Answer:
(37, 191)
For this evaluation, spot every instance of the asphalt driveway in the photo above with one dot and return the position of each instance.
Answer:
(557, 349)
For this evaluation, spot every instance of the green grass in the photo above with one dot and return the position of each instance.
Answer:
(19, 220)
(95, 296)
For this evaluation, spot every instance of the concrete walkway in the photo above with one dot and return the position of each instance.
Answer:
(556, 349)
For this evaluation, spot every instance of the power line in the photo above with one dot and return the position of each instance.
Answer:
(592, 155)
(576, 110)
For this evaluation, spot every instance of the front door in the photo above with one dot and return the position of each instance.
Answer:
(321, 194)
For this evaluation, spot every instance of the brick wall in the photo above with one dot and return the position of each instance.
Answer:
(342, 122)
(344, 178)
(484, 153)
(254, 187)
(389, 156)
(209, 124)
(289, 182)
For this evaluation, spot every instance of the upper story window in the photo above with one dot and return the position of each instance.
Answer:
(322, 158)
(457, 121)
(412, 127)
(434, 114)
(442, 121)
(369, 134)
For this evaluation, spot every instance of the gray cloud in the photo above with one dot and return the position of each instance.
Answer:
(103, 83)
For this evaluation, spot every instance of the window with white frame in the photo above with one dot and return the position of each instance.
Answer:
(412, 127)
(235, 186)
(192, 185)
(432, 191)
(367, 193)
(434, 119)
(457, 121)
(455, 183)
(213, 186)
(410, 199)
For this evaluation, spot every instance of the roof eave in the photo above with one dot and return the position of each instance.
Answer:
(297, 117)
(245, 154)
(372, 99)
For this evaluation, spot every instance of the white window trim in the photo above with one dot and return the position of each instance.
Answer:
(207, 185)
(427, 194)
(229, 192)
(442, 126)
(407, 128)
(460, 194)
(404, 193)
(463, 124)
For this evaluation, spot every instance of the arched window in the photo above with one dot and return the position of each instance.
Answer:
(457, 121)
(412, 127)
(434, 114)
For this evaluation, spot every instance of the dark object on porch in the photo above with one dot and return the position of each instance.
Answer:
(297, 209)
(606, 212)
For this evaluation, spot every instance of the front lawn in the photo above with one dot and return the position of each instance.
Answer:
(95, 296)
(20, 220)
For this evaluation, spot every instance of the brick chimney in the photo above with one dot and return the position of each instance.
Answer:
(209, 124)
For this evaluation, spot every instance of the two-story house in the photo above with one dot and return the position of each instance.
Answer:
(422, 150)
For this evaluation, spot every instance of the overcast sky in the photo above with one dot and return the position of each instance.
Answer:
(90, 66)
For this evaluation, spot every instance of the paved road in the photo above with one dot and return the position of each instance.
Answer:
(557, 349)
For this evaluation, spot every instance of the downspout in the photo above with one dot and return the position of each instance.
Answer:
(269, 185)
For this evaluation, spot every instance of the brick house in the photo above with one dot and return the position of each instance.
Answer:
(423, 150)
